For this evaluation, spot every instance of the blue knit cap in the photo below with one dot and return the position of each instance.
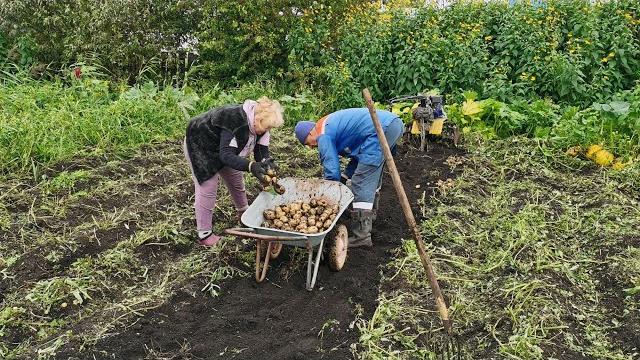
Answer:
(303, 128)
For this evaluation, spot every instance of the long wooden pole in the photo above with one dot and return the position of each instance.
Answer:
(408, 215)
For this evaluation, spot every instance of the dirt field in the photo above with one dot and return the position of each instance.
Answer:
(118, 233)
(98, 261)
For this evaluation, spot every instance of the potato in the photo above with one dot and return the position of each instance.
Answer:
(323, 217)
(322, 202)
(333, 216)
(267, 179)
(327, 223)
(284, 219)
(295, 207)
(271, 172)
(279, 189)
(285, 209)
(312, 230)
(313, 202)
(335, 209)
(296, 216)
(294, 222)
(269, 214)
(320, 209)
(306, 207)
(312, 211)
(278, 223)
(303, 218)
(311, 222)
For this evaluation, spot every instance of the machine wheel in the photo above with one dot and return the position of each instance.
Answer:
(339, 244)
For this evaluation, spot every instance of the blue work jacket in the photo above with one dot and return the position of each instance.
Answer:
(350, 133)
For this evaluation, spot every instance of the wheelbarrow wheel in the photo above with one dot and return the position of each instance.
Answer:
(339, 243)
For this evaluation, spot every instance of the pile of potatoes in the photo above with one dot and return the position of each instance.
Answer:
(310, 217)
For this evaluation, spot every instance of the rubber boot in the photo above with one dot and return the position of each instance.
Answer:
(376, 202)
(360, 232)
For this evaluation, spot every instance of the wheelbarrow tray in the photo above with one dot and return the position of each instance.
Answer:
(297, 190)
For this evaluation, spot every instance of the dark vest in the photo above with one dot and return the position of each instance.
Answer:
(203, 138)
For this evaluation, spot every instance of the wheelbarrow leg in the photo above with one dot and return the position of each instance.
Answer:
(311, 278)
(261, 274)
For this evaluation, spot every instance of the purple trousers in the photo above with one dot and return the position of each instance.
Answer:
(207, 193)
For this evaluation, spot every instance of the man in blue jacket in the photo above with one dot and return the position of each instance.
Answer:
(350, 133)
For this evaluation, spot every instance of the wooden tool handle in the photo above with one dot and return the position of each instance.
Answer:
(408, 214)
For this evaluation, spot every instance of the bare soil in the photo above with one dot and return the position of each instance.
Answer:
(279, 319)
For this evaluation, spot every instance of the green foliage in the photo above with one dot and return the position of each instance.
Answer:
(127, 38)
(65, 180)
(42, 122)
(569, 51)
(614, 124)
(526, 250)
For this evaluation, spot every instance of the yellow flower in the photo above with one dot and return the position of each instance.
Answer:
(604, 60)
(488, 38)
(533, 78)
(611, 55)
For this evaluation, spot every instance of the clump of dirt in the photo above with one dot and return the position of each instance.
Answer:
(279, 319)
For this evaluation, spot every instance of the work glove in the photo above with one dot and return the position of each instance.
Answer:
(258, 169)
(269, 163)
(344, 179)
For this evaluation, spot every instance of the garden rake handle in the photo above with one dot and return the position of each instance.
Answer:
(408, 214)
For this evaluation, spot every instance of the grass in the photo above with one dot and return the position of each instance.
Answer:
(74, 269)
(538, 253)
(534, 253)
(42, 123)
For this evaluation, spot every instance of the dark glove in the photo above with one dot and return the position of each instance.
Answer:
(344, 179)
(269, 163)
(258, 170)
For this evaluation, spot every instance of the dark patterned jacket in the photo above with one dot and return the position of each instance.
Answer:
(203, 138)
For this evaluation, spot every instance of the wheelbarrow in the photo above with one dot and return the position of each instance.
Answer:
(272, 240)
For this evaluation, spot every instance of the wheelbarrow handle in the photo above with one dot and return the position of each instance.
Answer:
(246, 234)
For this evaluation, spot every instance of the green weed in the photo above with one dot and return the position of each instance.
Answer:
(518, 244)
